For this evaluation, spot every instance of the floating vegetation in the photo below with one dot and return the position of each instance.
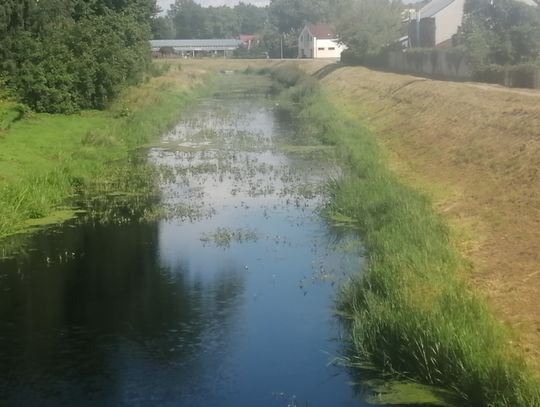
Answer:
(179, 211)
(223, 237)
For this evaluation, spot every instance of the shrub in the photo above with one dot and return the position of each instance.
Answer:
(490, 74)
(524, 76)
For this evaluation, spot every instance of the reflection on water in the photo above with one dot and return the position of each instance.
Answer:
(164, 313)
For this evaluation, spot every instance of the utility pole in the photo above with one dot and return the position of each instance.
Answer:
(281, 45)
(418, 19)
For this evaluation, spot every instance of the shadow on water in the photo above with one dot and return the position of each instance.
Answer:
(91, 292)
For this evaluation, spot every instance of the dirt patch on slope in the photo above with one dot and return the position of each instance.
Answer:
(476, 150)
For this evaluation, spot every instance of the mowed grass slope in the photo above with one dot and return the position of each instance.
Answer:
(475, 149)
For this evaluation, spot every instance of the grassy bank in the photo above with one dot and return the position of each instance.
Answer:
(51, 165)
(475, 149)
(410, 314)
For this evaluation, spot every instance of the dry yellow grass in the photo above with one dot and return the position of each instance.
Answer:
(476, 150)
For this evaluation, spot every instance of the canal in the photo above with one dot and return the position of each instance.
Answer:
(227, 300)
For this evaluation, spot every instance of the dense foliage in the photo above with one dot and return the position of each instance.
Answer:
(288, 17)
(187, 19)
(500, 32)
(367, 26)
(66, 55)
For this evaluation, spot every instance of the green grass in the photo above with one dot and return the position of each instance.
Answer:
(52, 163)
(410, 314)
(9, 113)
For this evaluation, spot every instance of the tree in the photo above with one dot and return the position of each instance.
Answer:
(292, 15)
(189, 19)
(251, 19)
(162, 28)
(500, 32)
(221, 22)
(64, 55)
(367, 26)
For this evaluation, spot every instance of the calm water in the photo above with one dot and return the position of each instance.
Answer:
(226, 303)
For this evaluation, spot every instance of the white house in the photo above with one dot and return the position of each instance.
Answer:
(319, 41)
(446, 16)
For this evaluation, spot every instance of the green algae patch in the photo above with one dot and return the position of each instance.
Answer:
(408, 393)
(54, 218)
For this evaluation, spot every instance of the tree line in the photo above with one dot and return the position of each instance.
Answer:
(67, 55)
(502, 32)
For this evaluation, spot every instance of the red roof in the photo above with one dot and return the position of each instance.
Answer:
(248, 38)
(322, 31)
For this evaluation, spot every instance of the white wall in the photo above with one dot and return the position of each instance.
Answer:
(448, 20)
(305, 44)
(323, 49)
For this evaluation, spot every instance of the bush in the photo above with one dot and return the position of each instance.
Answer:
(71, 64)
(490, 74)
(524, 76)
(166, 50)
(517, 76)
(350, 57)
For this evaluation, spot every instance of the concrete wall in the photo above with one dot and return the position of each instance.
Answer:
(443, 64)
(436, 63)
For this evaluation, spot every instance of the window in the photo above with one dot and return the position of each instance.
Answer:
(332, 49)
(320, 49)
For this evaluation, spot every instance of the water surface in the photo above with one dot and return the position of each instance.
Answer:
(227, 302)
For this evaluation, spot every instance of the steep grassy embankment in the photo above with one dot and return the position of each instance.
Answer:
(411, 313)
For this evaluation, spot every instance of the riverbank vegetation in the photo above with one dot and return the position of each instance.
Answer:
(51, 165)
(61, 56)
(411, 314)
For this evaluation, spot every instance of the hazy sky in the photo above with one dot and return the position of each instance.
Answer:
(164, 4)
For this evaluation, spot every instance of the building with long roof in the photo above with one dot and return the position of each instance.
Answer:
(194, 46)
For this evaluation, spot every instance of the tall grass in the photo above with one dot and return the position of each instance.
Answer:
(409, 313)
(50, 162)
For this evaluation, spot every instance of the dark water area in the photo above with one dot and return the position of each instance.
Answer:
(227, 302)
